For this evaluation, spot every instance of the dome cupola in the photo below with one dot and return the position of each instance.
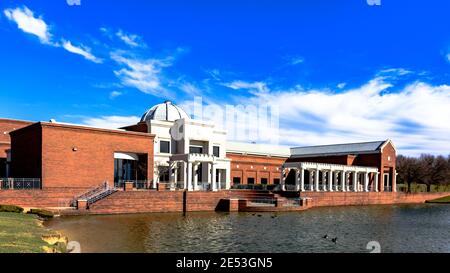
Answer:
(166, 111)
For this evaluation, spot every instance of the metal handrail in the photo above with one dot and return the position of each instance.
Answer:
(103, 186)
(20, 183)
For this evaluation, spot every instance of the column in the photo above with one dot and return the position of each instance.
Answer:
(189, 176)
(185, 181)
(311, 180)
(336, 181)
(376, 181)
(302, 179)
(394, 181)
(366, 181)
(195, 176)
(324, 181)
(175, 174)
(283, 179)
(343, 181)
(297, 182)
(330, 180)
(316, 180)
(212, 176)
(355, 181)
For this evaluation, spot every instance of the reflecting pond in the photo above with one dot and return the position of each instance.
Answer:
(397, 228)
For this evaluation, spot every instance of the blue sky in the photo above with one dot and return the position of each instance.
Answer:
(339, 70)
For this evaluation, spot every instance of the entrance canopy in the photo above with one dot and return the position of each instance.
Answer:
(127, 156)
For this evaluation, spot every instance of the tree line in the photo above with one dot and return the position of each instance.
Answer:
(426, 169)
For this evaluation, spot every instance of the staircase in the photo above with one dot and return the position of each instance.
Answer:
(96, 194)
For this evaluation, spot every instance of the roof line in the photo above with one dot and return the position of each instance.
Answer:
(383, 141)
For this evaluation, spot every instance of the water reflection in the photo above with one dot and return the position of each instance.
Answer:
(405, 228)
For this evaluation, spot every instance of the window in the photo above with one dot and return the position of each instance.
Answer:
(195, 150)
(276, 181)
(250, 180)
(216, 151)
(236, 180)
(164, 146)
(264, 181)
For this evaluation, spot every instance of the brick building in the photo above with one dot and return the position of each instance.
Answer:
(168, 148)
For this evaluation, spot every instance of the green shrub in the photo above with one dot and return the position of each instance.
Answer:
(11, 208)
(41, 213)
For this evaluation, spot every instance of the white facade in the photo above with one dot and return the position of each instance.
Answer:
(185, 153)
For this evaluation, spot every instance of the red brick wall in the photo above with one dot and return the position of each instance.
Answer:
(263, 167)
(6, 126)
(368, 198)
(158, 201)
(88, 166)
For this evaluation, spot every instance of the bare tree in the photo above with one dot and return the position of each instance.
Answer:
(409, 170)
(434, 170)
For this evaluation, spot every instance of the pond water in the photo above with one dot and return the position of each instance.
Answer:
(397, 228)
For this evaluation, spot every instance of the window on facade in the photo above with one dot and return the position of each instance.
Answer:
(236, 180)
(250, 180)
(276, 181)
(264, 181)
(195, 150)
(216, 151)
(164, 146)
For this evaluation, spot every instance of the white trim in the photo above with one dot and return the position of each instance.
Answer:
(127, 156)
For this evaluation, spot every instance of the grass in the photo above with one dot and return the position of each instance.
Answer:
(21, 233)
(442, 200)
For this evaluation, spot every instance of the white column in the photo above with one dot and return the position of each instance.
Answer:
(175, 174)
(297, 182)
(212, 176)
(324, 181)
(394, 181)
(189, 176)
(195, 176)
(184, 166)
(316, 180)
(366, 181)
(343, 181)
(302, 179)
(355, 181)
(283, 179)
(209, 168)
(330, 180)
(311, 180)
(376, 181)
(336, 181)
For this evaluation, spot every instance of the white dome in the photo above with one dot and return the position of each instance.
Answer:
(165, 111)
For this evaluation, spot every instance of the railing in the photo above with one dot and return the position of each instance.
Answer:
(100, 188)
(20, 184)
(138, 184)
(263, 187)
(387, 188)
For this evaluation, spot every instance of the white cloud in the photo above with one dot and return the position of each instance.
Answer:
(341, 85)
(258, 86)
(81, 50)
(416, 117)
(297, 60)
(448, 57)
(115, 94)
(143, 74)
(27, 22)
(132, 40)
(111, 122)
(74, 2)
